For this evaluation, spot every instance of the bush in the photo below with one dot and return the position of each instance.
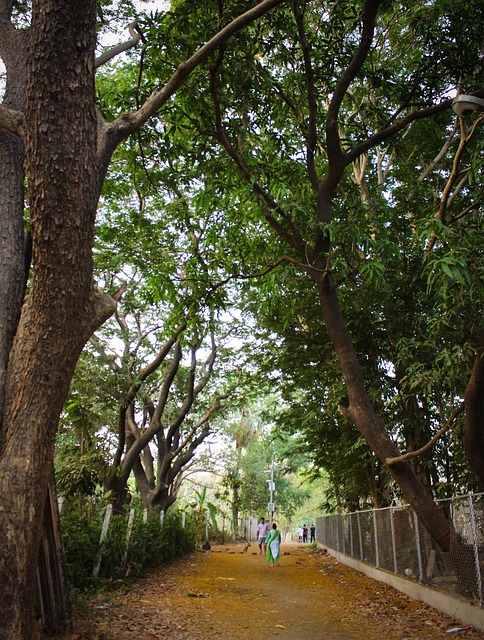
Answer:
(81, 542)
(150, 545)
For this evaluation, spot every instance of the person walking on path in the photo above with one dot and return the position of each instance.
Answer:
(305, 534)
(262, 531)
(274, 545)
(312, 530)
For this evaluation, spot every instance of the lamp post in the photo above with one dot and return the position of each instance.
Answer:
(270, 506)
(464, 105)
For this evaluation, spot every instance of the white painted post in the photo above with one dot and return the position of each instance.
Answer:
(162, 518)
(145, 516)
(184, 517)
(104, 532)
(128, 535)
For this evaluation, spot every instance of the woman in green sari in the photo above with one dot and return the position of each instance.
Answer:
(273, 541)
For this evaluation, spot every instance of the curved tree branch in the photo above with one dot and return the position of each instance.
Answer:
(415, 454)
(333, 140)
(112, 134)
(312, 136)
(136, 36)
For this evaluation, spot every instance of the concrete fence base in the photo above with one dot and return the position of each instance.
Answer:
(450, 605)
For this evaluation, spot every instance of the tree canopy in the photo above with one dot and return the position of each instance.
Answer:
(308, 148)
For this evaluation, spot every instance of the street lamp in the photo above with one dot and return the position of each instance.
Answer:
(270, 506)
(464, 105)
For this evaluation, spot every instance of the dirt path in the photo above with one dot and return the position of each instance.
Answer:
(237, 596)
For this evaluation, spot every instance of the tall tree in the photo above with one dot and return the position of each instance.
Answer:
(296, 118)
(165, 404)
(49, 119)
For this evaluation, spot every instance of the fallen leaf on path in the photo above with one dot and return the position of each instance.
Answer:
(279, 626)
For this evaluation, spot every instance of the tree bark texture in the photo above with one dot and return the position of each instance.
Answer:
(61, 309)
(43, 334)
(12, 258)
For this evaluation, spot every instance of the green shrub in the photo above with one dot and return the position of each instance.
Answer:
(114, 548)
(150, 545)
(81, 543)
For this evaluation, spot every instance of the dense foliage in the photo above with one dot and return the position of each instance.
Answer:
(216, 206)
(149, 545)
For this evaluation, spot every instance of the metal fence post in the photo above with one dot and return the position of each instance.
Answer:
(419, 550)
(476, 548)
(394, 546)
(343, 532)
(377, 550)
(359, 535)
(351, 536)
(337, 532)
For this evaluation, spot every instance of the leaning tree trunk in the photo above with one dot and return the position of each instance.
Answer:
(474, 428)
(61, 310)
(362, 415)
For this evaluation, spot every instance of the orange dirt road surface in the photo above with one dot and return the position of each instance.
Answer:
(237, 595)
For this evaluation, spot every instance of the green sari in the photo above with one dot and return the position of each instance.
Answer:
(273, 542)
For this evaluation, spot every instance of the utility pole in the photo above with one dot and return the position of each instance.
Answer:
(270, 506)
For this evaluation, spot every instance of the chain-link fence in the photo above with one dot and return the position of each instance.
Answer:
(394, 539)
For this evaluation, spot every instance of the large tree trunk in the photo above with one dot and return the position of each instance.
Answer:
(12, 254)
(61, 310)
(474, 428)
(12, 262)
(362, 414)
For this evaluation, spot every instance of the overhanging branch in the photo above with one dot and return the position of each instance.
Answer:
(136, 36)
(415, 454)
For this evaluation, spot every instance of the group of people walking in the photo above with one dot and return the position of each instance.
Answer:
(269, 541)
(302, 533)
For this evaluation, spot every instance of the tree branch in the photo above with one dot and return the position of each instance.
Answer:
(415, 454)
(384, 134)
(211, 410)
(333, 140)
(312, 135)
(446, 197)
(113, 133)
(136, 36)
(441, 153)
(291, 234)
